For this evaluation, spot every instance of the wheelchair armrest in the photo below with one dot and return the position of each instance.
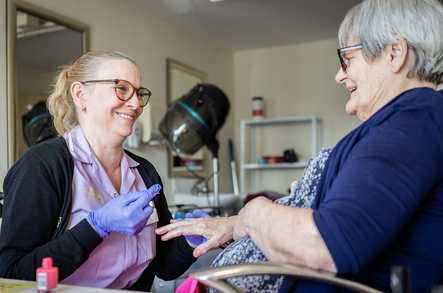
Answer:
(216, 277)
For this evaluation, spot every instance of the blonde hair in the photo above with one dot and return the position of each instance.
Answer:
(60, 103)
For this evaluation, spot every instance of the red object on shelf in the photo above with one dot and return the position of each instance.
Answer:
(47, 275)
(273, 159)
(258, 107)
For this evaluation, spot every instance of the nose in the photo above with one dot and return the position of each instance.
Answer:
(340, 76)
(134, 101)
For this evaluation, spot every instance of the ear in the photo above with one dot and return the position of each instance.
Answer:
(398, 55)
(78, 93)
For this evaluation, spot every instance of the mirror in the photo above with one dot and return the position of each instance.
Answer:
(42, 43)
(180, 78)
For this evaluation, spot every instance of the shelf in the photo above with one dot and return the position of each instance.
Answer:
(254, 130)
(189, 168)
(297, 165)
(280, 120)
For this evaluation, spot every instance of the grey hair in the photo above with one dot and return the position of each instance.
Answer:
(60, 103)
(378, 23)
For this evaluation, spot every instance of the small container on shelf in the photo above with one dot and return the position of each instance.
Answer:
(258, 111)
(273, 159)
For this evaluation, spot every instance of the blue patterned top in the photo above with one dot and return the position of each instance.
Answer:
(244, 250)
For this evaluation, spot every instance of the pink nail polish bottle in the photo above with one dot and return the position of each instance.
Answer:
(47, 276)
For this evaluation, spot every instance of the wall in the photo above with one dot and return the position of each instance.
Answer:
(3, 95)
(129, 28)
(36, 68)
(294, 80)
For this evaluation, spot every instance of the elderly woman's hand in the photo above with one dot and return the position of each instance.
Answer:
(217, 230)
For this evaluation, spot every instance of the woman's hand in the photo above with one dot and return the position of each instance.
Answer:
(217, 230)
(125, 214)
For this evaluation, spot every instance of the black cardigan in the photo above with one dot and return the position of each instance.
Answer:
(37, 208)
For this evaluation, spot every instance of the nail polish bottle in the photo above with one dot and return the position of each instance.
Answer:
(47, 276)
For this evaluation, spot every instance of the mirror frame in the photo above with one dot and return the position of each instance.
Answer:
(13, 6)
(170, 65)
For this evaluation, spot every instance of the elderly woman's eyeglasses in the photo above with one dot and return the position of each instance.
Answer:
(124, 90)
(344, 62)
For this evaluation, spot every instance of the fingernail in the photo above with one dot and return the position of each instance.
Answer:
(156, 188)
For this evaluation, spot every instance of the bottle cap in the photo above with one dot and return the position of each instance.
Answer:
(47, 262)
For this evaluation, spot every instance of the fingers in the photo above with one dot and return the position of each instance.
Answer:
(182, 228)
(151, 192)
(154, 190)
(199, 214)
(174, 225)
(148, 210)
(184, 231)
(206, 246)
(178, 224)
(131, 197)
(142, 198)
(196, 214)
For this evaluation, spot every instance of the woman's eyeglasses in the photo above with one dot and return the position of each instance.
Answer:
(124, 90)
(344, 63)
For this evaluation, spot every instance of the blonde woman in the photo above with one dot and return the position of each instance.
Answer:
(81, 198)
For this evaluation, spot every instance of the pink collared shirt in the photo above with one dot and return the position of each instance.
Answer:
(119, 260)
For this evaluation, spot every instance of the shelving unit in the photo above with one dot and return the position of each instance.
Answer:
(248, 145)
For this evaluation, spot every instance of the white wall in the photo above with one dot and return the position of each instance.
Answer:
(3, 95)
(129, 27)
(294, 80)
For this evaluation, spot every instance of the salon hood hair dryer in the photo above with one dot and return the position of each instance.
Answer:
(193, 121)
(37, 124)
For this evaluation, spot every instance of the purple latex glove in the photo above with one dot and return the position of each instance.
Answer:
(125, 214)
(196, 240)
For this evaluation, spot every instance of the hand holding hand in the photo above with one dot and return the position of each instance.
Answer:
(195, 240)
(217, 231)
(124, 214)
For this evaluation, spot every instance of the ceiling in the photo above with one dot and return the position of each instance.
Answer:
(235, 24)
(246, 24)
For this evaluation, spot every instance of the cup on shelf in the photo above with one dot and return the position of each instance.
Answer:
(258, 111)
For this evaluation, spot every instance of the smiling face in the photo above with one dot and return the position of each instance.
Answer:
(105, 116)
(367, 82)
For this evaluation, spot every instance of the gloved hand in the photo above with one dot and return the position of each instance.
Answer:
(125, 214)
(196, 240)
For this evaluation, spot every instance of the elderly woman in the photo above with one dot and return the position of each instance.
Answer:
(81, 198)
(376, 200)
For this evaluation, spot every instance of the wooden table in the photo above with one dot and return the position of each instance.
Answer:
(18, 286)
